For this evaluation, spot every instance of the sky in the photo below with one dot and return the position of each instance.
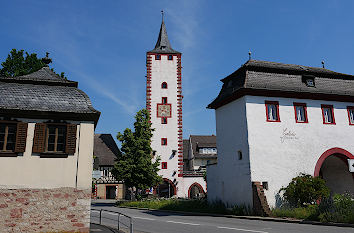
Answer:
(103, 45)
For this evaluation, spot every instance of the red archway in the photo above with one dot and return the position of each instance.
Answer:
(195, 184)
(328, 153)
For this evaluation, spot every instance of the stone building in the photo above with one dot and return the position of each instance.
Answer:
(275, 121)
(106, 151)
(46, 148)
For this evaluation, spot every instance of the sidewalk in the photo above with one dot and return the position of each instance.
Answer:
(102, 229)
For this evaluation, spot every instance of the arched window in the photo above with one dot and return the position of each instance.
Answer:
(164, 85)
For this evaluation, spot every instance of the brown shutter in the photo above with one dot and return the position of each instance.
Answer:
(70, 139)
(21, 137)
(39, 138)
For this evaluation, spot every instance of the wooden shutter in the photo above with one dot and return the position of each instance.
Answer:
(21, 137)
(39, 138)
(70, 145)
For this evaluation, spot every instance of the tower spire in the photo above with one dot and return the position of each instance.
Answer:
(163, 44)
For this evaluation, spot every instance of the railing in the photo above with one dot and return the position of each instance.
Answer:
(118, 219)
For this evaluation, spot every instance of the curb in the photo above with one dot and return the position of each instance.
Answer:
(285, 220)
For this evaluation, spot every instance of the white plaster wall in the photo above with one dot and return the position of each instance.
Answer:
(31, 171)
(230, 179)
(188, 181)
(165, 71)
(277, 161)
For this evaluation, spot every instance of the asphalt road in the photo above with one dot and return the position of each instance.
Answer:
(166, 222)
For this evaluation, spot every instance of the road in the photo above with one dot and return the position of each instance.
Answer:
(145, 221)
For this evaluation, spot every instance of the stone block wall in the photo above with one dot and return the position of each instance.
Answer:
(45, 210)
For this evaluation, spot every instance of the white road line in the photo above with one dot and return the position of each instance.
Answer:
(239, 229)
(151, 219)
(185, 223)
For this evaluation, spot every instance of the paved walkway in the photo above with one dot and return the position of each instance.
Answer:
(101, 229)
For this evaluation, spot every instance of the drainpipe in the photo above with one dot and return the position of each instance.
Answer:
(77, 159)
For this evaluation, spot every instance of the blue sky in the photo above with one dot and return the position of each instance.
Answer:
(103, 44)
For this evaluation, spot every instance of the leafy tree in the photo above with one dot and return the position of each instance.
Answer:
(305, 189)
(17, 64)
(134, 165)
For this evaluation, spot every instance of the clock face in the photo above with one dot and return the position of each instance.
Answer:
(164, 110)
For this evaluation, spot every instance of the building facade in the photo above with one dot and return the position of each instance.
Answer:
(275, 121)
(46, 148)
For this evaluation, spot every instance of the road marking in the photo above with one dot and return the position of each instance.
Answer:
(145, 218)
(95, 230)
(239, 229)
(186, 223)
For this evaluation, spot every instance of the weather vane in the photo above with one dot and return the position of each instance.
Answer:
(162, 14)
(323, 64)
(249, 55)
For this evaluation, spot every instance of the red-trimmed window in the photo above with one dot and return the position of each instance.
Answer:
(300, 113)
(157, 57)
(351, 114)
(164, 85)
(164, 120)
(272, 111)
(164, 100)
(164, 141)
(170, 57)
(163, 165)
(328, 114)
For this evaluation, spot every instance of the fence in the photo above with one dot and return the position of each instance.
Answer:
(118, 220)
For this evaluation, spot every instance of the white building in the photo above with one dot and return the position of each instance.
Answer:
(46, 149)
(275, 121)
(164, 102)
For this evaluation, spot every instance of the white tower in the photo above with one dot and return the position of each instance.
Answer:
(164, 102)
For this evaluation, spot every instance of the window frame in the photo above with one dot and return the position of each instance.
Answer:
(157, 57)
(7, 124)
(276, 103)
(170, 56)
(163, 141)
(164, 100)
(350, 108)
(323, 106)
(296, 104)
(162, 85)
(163, 165)
(57, 125)
(164, 120)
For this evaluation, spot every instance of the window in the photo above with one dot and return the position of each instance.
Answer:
(7, 137)
(327, 114)
(207, 150)
(272, 111)
(164, 165)
(157, 57)
(239, 155)
(164, 141)
(164, 85)
(300, 113)
(351, 114)
(164, 100)
(56, 138)
(265, 185)
(164, 120)
(170, 57)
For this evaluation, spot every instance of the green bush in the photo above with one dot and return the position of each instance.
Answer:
(339, 208)
(309, 212)
(305, 190)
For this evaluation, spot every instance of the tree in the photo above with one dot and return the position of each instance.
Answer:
(134, 165)
(305, 189)
(16, 64)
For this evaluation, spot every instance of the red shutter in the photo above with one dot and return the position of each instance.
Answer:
(70, 139)
(21, 136)
(39, 138)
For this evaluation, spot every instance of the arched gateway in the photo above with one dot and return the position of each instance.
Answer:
(332, 166)
(196, 191)
(166, 189)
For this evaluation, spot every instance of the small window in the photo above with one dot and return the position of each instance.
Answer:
(7, 137)
(300, 113)
(56, 135)
(164, 85)
(351, 114)
(164, 141)
(327, 114)
(239, 155)
(170, 57)
(164, 100)
(310, 83)
(265, 185)
(272, 111)
(164, 165)
(164, 120)
(157, 57)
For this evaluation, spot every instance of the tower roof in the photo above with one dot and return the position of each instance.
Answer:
(163, 44)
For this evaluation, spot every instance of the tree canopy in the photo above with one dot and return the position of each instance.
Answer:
(134, 165)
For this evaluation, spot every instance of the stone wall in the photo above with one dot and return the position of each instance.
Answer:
(45, 210)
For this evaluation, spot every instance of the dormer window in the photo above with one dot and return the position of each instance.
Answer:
(310, 83)
(309, 80)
